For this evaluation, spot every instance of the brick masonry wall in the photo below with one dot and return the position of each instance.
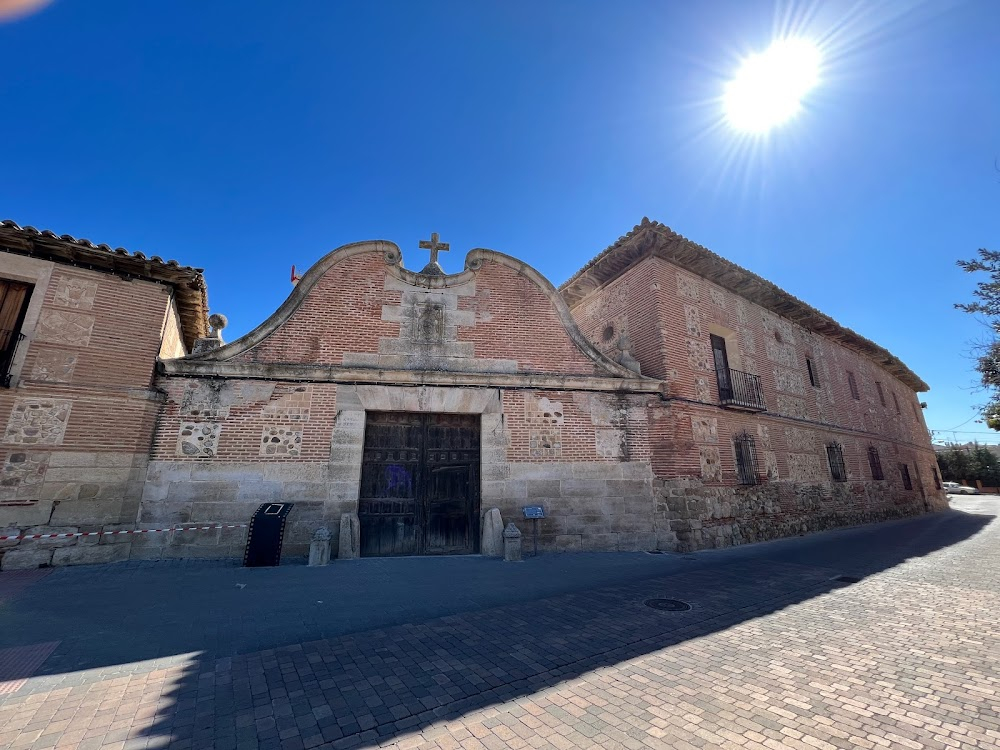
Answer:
(584, 455)
(692, 436)
(79, 418)
(359, 310)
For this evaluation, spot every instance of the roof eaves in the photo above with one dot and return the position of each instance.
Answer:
(650, 238)
(188, 282)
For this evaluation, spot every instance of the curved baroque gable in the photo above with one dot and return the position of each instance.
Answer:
(357, 307)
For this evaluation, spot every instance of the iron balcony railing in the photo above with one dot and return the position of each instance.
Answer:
(8, 348)
(742, 390)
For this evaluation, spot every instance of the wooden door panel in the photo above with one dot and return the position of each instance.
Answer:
(419, 484)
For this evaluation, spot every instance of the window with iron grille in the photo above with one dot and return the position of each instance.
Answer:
(853, 384)
(896, 402)
(875, 462)
(835, 455)
(937, 477)
(881, 396)
(812, 373)
(904, 472)
(746, 458)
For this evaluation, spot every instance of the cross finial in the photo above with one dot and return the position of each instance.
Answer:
(434, 245)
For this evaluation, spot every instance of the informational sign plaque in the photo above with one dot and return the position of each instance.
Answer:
(533, 511)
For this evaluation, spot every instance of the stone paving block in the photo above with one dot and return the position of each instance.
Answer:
(772, 654)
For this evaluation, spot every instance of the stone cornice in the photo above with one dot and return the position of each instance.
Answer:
(652, 239)
(193, 367)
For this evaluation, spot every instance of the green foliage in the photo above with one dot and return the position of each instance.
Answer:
(987, 294)
(970, 464)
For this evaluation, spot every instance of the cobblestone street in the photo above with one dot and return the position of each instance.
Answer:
(558, 652)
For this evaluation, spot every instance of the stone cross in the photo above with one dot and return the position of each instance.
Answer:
(434, 246)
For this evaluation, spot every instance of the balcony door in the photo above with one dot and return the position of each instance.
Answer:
(722, 368)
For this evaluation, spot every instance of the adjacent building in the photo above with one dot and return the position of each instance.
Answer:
(662, 398)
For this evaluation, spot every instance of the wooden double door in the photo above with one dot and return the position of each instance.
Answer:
(419, 484)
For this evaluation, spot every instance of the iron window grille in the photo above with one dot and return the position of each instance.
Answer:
(937, 478)
(746, 458)
(881, 395)
(853, 384)
(835, 455)
(875, 462)
(904, 472)
(812, 373)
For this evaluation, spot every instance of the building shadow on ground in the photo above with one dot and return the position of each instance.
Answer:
(376, 683)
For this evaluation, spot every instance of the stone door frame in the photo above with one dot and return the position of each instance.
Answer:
(354, 401)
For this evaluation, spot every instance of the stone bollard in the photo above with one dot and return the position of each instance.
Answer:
(512, 543)
(491, 544)
(319, 549)
(350, 537)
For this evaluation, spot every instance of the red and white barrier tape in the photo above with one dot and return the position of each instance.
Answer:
(123, 531)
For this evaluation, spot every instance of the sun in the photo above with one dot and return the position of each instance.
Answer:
(769, 87)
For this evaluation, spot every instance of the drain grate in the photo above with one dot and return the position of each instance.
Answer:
(668, 605)
(847, 579)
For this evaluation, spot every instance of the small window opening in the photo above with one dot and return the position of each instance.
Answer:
(835, 455)
(904, 472)
(937, 477)
(853, 385)
(881, 395)
(812, 373)
(746, 458)
(896, 402)
(875, 462)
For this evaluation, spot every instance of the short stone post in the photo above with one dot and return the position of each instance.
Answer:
(512, 543)
(319, 549)
(350, 537)
(491, 544)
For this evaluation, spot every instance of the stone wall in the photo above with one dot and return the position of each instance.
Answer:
(707, 517)
(583, 456)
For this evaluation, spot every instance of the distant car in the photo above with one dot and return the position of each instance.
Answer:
(950, 487)
(963, 490)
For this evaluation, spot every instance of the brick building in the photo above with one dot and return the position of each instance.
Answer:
(81, 327)
(663, 398)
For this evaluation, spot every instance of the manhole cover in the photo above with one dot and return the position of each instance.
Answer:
(847, 579)
(668, 605)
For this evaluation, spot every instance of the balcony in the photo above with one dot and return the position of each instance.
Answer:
(8, 348)
(742, 391)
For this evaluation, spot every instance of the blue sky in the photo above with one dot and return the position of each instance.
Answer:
(242, 136)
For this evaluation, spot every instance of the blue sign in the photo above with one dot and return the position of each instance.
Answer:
(533, 511)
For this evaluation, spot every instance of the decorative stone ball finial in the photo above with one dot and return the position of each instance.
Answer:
(217, 321)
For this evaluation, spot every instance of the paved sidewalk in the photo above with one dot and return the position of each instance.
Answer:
(559, 652)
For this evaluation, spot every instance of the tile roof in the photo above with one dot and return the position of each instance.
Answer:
(651, 238)
(191, 294)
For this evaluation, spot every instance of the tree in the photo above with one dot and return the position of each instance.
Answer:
(987, 294)
(985, 466)
(954, 464)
